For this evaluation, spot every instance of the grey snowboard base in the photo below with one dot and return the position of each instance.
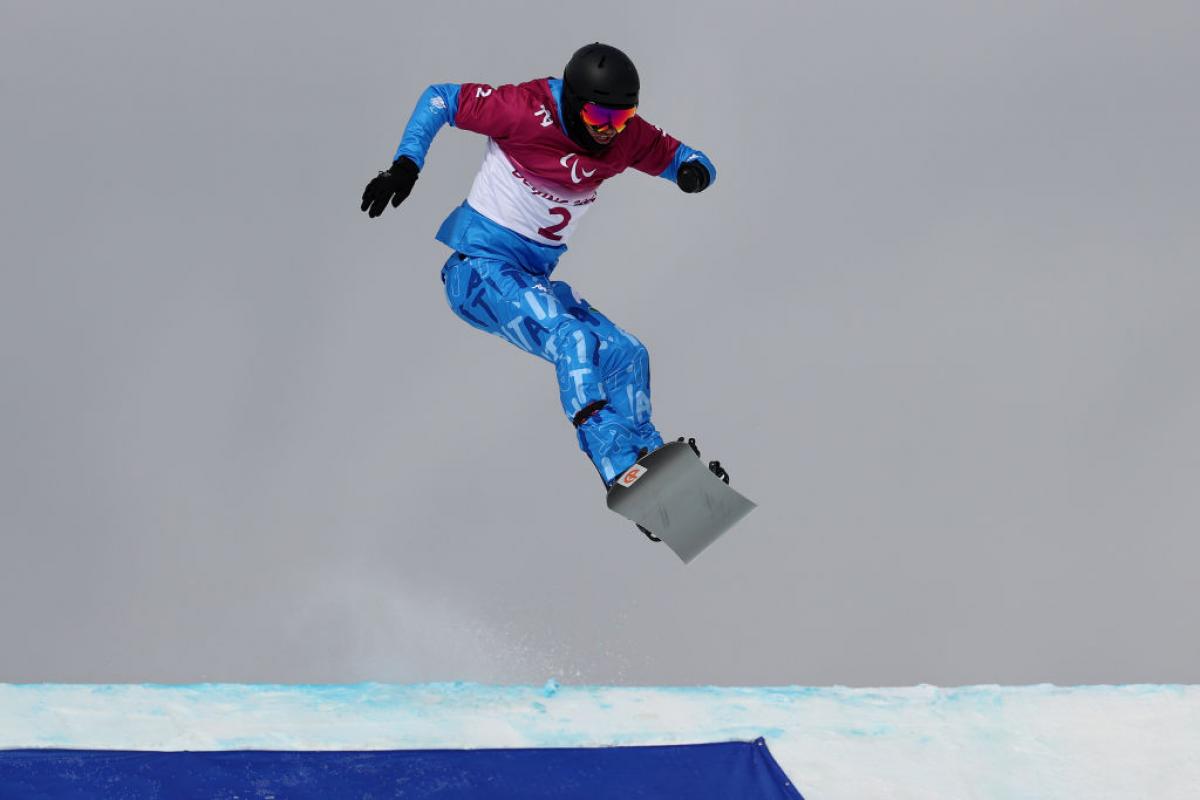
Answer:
(672, 494)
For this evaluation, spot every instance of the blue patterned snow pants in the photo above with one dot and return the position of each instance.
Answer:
(595, 360)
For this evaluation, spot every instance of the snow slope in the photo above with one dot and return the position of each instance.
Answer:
(919, 742)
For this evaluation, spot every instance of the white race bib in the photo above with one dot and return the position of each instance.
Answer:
(544, 212)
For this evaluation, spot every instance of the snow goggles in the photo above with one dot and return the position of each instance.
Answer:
(599, 116)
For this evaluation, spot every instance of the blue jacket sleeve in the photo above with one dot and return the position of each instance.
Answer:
(684, 153)
(436, 107)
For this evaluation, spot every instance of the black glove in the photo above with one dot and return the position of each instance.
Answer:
(692, 177)
(393, 184)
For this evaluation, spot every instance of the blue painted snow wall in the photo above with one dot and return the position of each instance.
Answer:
(744, 770)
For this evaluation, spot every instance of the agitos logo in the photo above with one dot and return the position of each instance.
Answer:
(572, 160)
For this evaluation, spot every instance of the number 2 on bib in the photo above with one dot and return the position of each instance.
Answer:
(552, 231)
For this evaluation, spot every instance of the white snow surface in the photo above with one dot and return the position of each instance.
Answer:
(917, 742)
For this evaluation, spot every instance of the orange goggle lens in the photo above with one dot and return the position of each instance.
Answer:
(599, 116)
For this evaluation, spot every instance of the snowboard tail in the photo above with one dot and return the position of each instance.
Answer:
(671, 493)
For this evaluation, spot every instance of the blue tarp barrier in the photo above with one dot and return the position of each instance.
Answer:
(741, 770)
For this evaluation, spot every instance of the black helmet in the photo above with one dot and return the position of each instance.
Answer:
(600, 73)
(597, 73)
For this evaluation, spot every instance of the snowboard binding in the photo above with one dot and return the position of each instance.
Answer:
(713, 466)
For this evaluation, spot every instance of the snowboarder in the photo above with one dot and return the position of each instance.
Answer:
(551, 143)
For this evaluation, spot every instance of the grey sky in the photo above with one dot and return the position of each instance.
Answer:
(938, 317)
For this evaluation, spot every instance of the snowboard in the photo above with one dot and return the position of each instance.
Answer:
(672, 493)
